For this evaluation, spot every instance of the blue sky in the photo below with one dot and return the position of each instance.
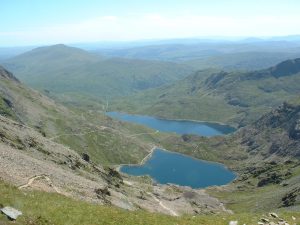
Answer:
(27, 22)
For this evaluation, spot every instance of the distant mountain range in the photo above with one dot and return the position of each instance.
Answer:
(199, 50)
(67, 70)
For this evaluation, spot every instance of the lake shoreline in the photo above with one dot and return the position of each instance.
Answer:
(143, 161)
(201, 128)
(180, 127)
(179, 120)
(156, 148)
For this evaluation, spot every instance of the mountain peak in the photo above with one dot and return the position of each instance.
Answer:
(56, 47)
(58, 53)
(286, 68)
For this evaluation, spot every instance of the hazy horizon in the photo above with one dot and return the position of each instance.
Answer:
(36, 22)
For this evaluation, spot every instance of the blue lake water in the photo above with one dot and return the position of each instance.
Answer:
(169, 167)
(177, 126)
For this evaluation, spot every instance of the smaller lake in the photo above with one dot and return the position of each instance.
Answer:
(178, 126)
(169, 167)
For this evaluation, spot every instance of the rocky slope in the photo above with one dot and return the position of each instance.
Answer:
(265, 154)
(270, 171)
(95, 133)
(279, 128)
(31, 159)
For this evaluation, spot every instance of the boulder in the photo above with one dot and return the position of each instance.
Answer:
(85, 157)
(11, 213)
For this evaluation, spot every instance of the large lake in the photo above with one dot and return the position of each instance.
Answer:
(169, 167)
(177, 126)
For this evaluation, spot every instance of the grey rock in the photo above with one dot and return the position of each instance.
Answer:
(11, 213)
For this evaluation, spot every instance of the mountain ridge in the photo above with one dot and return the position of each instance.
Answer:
(241, 97)
(67, 70)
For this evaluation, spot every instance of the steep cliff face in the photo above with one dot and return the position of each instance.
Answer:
(276, 133)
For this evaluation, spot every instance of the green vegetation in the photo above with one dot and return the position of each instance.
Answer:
(65, 70)
(91, 132)
(40, 208)
(265, 154)
(250, 60)
(245, 196)
(236, 98)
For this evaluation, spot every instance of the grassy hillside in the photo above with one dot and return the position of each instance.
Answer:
(41, 208)
(65, 70)
(236, 98)
(85, 131)
(268, 180)
(264, 154)
(37, 152)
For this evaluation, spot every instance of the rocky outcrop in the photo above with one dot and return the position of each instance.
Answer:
(275, 133)
(214, 79)
(7, 75)
(291, 198)
(271, 219)
(273, 178)
(85, 157)
(294, 131)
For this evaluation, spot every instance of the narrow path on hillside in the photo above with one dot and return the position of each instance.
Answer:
(101, 128)
(134, 135)
(148, 155)
(49, 181)
(78, 134)
(172, 212)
